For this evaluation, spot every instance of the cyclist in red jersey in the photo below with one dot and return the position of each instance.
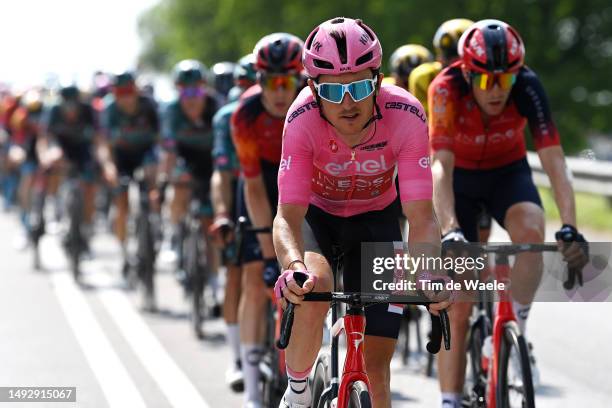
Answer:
(479, 107)
(257, 126)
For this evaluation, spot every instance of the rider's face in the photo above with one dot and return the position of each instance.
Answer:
(278, 93)
(491, 101)
(348, 117)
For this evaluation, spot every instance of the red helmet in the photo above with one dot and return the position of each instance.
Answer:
(491, 46)
(279, 53)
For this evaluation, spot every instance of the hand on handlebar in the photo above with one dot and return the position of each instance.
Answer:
(109, 172)
(221, 230)
(442, 299)
(573, 246)
(291, 285)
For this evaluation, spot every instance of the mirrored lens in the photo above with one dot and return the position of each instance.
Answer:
(487, 81)
(358, 90)
(361, 89)
(506, 81)
(273, 83)
(193, 92)
(331, 92)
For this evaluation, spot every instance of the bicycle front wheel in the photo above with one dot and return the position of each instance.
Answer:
(196, 275)
(359, 396)
(515, 385)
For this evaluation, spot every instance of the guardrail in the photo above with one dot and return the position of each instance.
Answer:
(589, 176)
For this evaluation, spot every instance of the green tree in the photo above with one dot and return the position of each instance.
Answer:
(568, 42)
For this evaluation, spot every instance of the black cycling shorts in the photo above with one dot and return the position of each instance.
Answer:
(495, 190)
(128, 161)
(251, 250)
(322, 232)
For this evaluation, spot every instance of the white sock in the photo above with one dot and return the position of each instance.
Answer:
(251, 354)
(298, 391)
(451, 400)
(522, 313)
(233, 338)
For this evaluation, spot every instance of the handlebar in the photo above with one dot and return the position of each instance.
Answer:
(440, 324)
(513, 249)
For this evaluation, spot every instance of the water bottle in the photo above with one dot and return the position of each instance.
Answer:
(487, 353)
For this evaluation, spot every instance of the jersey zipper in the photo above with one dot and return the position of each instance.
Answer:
(349, 193)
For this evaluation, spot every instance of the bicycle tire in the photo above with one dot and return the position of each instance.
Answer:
(405, 325)
(321, 380)
(146, 263)
(359, 395)
(75, 238)
(194, 271)
(479, 331)
(513, 340)
(274, 383)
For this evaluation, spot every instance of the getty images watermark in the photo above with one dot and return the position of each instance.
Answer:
(482, 271)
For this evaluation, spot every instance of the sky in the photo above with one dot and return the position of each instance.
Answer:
(71, 38)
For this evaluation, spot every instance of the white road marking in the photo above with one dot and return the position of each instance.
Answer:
(172, 381)
(115, 382)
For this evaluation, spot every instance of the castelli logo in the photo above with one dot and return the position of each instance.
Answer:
(333, 146)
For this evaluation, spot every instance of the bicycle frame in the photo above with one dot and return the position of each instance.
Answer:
(353, 326)
(504, 313)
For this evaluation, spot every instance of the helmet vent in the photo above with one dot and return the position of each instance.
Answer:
(311, 38)
(338, 20)
(340, 38)
(364, 58)
(323, 64)
(366, 29)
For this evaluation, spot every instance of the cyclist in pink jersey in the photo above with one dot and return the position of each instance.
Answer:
(336, 188)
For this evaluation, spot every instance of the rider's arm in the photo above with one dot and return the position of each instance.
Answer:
(441, 130)
(257, 202)
(221, 191)
(553, 163)
(424, 233)
(287, 234)
(46, 152)
(260, 213)
(168, 144)
(223, 152)
(294, 186)
(443, 163)
(532, 102)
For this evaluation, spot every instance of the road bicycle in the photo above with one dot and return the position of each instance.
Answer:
(146, 226)
(498, 357)
(193, 259)
(352, 390)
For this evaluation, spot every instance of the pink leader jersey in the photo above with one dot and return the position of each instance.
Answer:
(318, 168)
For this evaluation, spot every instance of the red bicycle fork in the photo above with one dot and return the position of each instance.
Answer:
(353, 325)
(504, 313)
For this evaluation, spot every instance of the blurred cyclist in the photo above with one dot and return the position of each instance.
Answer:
(404, 60)
(131, 127)
(245, 77)
(257, 127)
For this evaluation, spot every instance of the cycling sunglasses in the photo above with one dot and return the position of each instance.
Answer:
(274, 82)
(487, 81)
(334, 93)
(193, 91)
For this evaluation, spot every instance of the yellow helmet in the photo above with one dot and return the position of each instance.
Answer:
(32, 100)
(408, 57)
(447, 37)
